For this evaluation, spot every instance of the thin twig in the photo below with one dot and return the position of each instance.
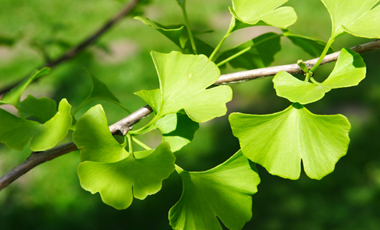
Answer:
(77, 49)
(126, 123)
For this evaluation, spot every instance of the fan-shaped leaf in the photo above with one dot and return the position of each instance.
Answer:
(279, 141)
(183, 82)
(17, 132)
(349, 71)
(359, 18)
(269, 12)
(119, 182)
(224, 192)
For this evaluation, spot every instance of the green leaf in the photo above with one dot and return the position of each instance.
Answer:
(349, 71)
(93, 138)
(224, 192)
(43, 108)
(296, 90)
(178, 35)
(313, 47)
(279, 141)
(182, 3)
(152, 97)
(359, 18)
(100, 91)
(177, 129)
(13, 96)
(261, 53)
(269, 12)
(119, 182)
(183, 82)
(17, 132)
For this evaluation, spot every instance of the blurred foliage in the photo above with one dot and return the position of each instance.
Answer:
(50, 197)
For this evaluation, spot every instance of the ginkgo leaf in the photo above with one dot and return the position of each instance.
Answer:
(93, 138)
(296, 90)
(17, 132)
(281, 140)
(312, 46)
(349, 71)
(99, 91)
(178, 35)
(224, 192)
(120, 181)
(269, 12)
(183, 82)
(43, 108)
(13, 96)
(177, 129)
(359, 18)
(261, 52)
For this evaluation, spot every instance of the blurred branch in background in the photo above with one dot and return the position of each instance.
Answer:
(77, 49)
(122, 126)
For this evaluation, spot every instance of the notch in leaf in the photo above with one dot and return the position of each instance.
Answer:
(224, 192)
(281, 140)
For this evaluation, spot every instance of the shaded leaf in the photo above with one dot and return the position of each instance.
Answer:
(261, 53)
(269, 12)
(281, 140)
(43, 108)
(313, 47)
(119, 182)
(17, 132)
(177, 129)
(224, 192)
(13, 96)
(349, 71)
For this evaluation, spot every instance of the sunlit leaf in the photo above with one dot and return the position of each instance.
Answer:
(349, 71)
(119, 182)
(17, 132)
(43, 108)
(269, 12)
(313, 47)
(183, 83)
(296, 90)
(93, 138)
(177, 129)
(261, 53)
(13, 96)
(281, 140)
(359, 18)
(224, 192)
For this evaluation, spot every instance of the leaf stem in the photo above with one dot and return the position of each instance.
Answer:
(228, 33)
(234, 56)
(129, 137)
(141, 143)
(327, 47)
(187, 23)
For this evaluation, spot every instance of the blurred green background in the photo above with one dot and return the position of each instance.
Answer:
(50, 197)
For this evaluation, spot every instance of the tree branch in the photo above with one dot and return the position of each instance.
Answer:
(75, 50)
(124, 125)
